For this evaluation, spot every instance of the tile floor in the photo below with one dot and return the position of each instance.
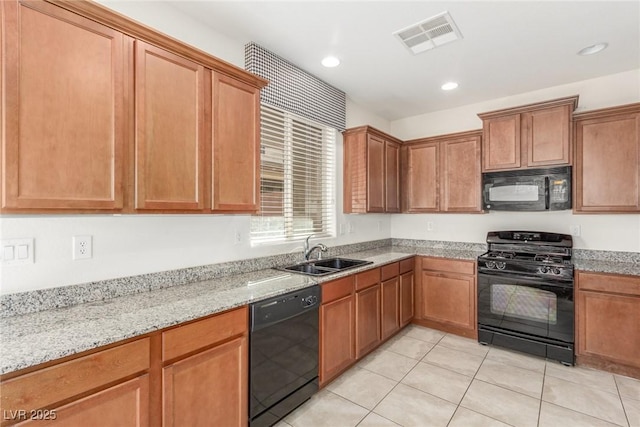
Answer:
(423, 377)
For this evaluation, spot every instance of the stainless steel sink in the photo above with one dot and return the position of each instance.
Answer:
(323, 267)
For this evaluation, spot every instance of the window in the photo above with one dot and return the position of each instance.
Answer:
(296, 178)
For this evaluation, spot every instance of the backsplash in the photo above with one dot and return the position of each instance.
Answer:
(65, 296)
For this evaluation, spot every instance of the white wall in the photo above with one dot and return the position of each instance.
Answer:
(605, 232)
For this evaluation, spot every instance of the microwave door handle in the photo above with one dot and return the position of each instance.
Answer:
(547, 194)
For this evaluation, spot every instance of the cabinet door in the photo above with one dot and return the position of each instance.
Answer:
(392, 176)
(406, 298)
(64, 109)
(607, 327)
(367, 320)
(375, 174)
(501, 143)
(461, 176)
(390, 316)
(208, 388)
(546, 136)
(170, 135)
(337, 338)
(608, 164)
(236, 145)
(125, 404)
(449, 299)
(422, 178)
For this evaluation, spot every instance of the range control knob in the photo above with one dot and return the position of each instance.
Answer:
(557, 271)
(501, 265)
(490, 264)
(544, 269)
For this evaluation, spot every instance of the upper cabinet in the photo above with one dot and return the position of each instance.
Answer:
(442, 174)
(607, 166)
(371, 171)
(170, 136)
(236, 148)
(102, 114)
(528, 136)
(64, 107)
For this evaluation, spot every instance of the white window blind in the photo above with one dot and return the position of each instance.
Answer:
(296, 178)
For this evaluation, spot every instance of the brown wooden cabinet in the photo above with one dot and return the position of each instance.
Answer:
(608, 322)
(371, 171)
(337, 328)
(236, 145)
(406, 291)
(367, 302)
(390, 300)
(528, 136)
(75, 140)
(446, 295)
(170, 136)
(205, 371)
(107, 387)
(607, 165)
(65, 110)
(442, 174)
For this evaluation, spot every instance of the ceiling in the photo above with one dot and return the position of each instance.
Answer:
(508, 47)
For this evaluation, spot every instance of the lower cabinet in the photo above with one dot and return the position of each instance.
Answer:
(407, 291)
(446, 296)
(390, 293)
(367, 311)
(337, 328)
(108, 387)
(608, 322)
(195, 374)
(205, 372)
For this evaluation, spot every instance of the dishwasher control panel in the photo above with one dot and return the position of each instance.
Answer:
(282, 307)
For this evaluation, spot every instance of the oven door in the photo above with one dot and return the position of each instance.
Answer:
(527, 306)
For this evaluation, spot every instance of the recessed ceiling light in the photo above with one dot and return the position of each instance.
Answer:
(330, 62)
(449, 86)
(594, 48)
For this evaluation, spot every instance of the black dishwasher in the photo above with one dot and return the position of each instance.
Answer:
(283, 353)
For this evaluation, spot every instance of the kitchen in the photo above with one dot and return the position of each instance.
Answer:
(146, 244)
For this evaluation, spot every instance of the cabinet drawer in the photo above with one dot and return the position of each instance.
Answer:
(629, 285)
(407, 264)
(60, 382)
(454, 266)
(390, 270)
(337, 289)
(367, 278)
(194, 336)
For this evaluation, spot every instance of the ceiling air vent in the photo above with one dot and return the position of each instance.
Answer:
(429, 34)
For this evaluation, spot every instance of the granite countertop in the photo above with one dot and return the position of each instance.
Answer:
(35, 338)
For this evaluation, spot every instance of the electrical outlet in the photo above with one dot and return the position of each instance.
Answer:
(429, 225)
(379, 225)
(575, 230)
(238, 237)
(82, 247)
(352, 227)
(343, 228)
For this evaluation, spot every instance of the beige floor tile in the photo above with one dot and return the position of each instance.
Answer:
(440, 382)
(511, 377)
(501, 404)
(585, 399)
(362, 386)
(584, 376)
(375, 420)
(464, 344)
(408, 346)
(424, 334)
(628, 387)
(632, 409)
(389, 364)
(454, 360)
(327, 409)
(467, 418)
(517, 359)
(410, 407)
(554, 416)
(282, 424)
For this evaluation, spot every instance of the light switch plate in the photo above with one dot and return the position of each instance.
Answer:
(17, 251)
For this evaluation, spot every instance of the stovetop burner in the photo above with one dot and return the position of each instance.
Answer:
(542, 255)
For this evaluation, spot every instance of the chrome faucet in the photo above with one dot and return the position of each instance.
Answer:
(308, 250)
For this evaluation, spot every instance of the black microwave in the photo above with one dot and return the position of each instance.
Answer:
(527, 189)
